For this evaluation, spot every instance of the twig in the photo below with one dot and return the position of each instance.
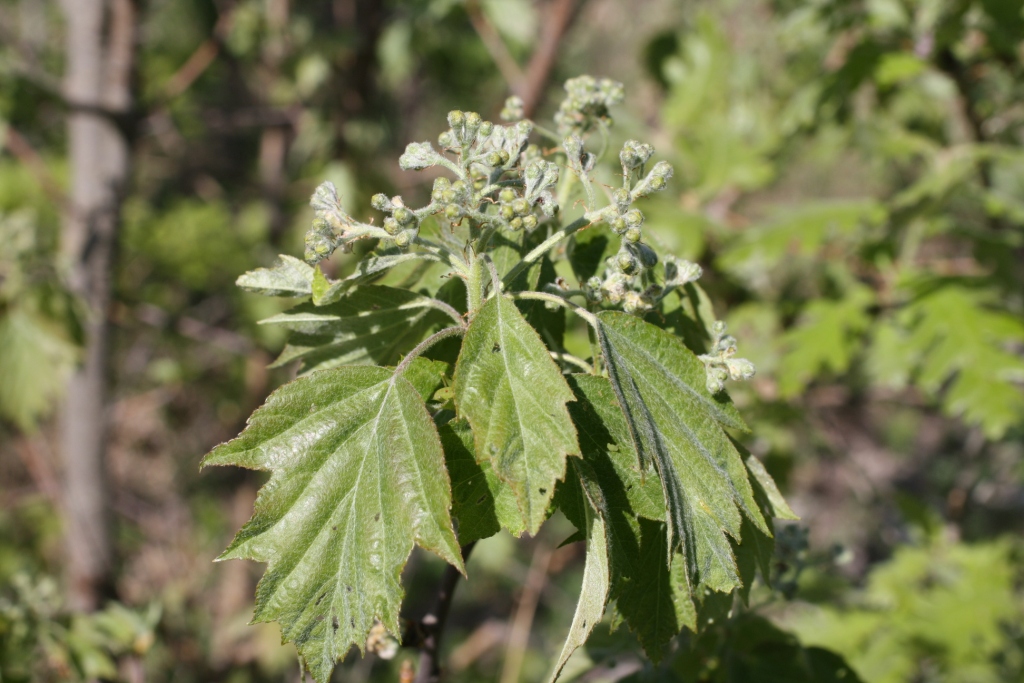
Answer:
(522, 623)
(432, 623)
(25, 153)
(426, 344)
(560, 15)
(491, 39)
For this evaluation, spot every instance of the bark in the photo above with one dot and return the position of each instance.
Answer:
(98, 86)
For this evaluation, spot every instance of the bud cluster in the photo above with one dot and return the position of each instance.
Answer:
(587, 104)
(330, 224)
(402, 223)
(720, 363)
(627, 272)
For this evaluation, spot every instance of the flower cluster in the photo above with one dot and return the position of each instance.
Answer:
(720, 364)
(587, 104)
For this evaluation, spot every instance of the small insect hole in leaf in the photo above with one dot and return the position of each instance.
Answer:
(312, 408)
(542, 491)
(496, 347)
(335, 624)
(481, 499)
(376, 517)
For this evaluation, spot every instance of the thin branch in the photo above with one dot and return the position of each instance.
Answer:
(431, 626)
(522, 623)
(27, 155)
(491, 39)
(559, 17)
(426, 344)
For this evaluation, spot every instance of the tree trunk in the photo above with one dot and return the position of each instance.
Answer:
(100, 61)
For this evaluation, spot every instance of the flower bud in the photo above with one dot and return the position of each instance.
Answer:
(740, 368)
(513, 109)
(493, 159)
(507, 194)
(391, 225)
(633, 235)
(506, 212)
(618, 225)
(456, 119)
(381, 202)
(404, 216)
(486, 128)
(404, 238)
(453, 212)
(530, 222)
(520, 206)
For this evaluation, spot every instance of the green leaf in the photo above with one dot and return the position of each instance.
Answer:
(288, 277)
(825, 339)
(653, 597)
(35, 361)
(481, 502)
(367, 270)
(966, 350)
(596, 572)
(370, 325)
(677, 425)
(357, 478)
(514, 397)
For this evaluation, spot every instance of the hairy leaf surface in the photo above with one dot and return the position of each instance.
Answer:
(288, 277)
(358, 477)
(371, 325)
(481, 502)
(515, 398)
(596, 570)
(677, 425)
(652, 595)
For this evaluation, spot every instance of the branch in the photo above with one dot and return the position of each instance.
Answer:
(559, 17)
(426, 344)
(24, 152)
(543, 248)
(491, 39)
(431, 626)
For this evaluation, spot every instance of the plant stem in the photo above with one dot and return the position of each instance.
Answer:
(432, 623)
(573, 360)
(564, 303)
(475, 286)
(426, 344)
(543, 248)
(447, 309)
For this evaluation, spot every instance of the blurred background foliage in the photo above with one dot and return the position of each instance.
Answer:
(850, 175)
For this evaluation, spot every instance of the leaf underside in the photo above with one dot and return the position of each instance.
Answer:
(515, 398)
(676, 425)
(596, 570)
(371, 325)
(358, 477)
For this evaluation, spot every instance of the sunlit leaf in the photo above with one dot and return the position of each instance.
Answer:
(514, 397)
(358, 477)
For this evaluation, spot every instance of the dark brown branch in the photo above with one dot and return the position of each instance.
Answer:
(559, 17)
(431, 626)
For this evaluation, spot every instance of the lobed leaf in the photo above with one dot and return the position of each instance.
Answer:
(481, 502)
(358, 477)
(288, 277)
(515, 398)
(596, 571)
(677, 425)
(372, 324)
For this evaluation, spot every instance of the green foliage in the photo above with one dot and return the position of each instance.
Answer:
(358, 478)
(38, 323)
(940, 611)
(358, 471)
